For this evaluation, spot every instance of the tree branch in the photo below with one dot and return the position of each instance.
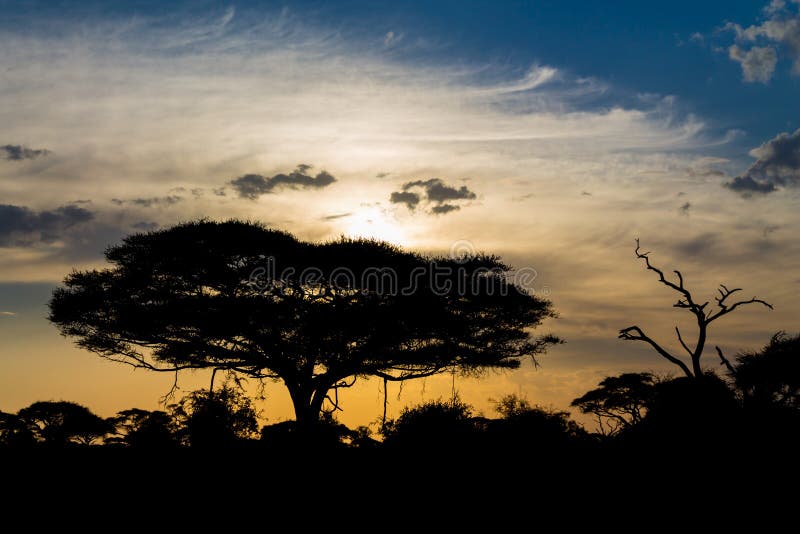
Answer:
(683, 344)
(634, 333)
(724, 361)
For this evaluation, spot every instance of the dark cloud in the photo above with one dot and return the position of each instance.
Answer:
(149, 202)
(20, 225)
(336, 216)
(434, 191)
(19, 152)
(586, 193)
(382, 174)
(770, 228)
(253, 186)
(441, 209)
(523, 197)
(684, 209)
(437, 191)
(777, 165)
(405, 197)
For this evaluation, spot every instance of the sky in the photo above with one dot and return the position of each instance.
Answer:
(550, 133)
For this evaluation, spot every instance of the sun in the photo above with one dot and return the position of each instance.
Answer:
(372, 222)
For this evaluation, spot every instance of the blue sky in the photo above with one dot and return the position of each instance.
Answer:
(553, 127)
(677, 48)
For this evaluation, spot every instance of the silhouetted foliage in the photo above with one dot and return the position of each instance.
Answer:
(532, 428)
(770, 377)
(239, 297)
(692, 412)
(60, 423)
(326, 434)
(703, 316)
(215, 419)
(620, 402)
(144, 429)
(14, 432)
(432, 426)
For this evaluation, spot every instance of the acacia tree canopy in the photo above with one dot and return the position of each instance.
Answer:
(239, 297)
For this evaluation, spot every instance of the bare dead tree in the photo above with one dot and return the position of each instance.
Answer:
(703, 316)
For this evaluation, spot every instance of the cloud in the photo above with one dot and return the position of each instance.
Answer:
(700, 245)
(149, 202)
(336, 216)
(780, 30)
(253, 186)
(20, 152)
(777, 165)
(684, 209)
(405, 197)
(7, 313)
(383, 175)
(435, 192)
(441, 209)
(758, 63)
(391, 38)
(20, 226)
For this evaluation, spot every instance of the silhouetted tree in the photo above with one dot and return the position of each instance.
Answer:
(692, 411)
(144, 429)
(239, 297)
(59, 423)
(771, 376)
(703, 316)
(432, 426)
(532, 428)
(215, 418)
(620, 402)
(14, 432)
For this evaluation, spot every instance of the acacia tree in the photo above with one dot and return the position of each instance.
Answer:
(619, 402)
(237, 297)
(703, 315)
(57, 423)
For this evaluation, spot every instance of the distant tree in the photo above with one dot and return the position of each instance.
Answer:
(215, 418)
(14, 432)
(620, 402)
(531, 427)
(433, 426)
(236, 296)
(771, 376)
(144, 429)
(703, 316)
(59, 423)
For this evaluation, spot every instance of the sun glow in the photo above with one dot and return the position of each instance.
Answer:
(374, 223)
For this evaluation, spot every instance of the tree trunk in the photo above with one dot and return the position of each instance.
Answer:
(306, 409)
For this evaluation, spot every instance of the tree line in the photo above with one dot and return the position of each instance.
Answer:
(186, 298)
